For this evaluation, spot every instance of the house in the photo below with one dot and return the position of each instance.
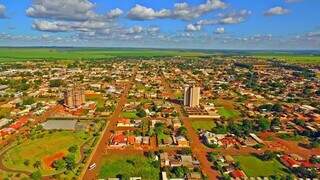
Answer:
(289, 161)
(124, 122)
(119, 139)
(238, 174)
(182, 141)
(186, 161)
(164, 159)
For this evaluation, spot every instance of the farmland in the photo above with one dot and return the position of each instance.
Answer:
(86, 53)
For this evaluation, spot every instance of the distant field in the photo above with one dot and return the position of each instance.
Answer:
(128, 166)
(86, 53)
(254, 167)
(39, 149)
(292, 58)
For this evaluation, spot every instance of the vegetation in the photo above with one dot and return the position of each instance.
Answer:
(126, 166)
(29, 155)
(254, 167)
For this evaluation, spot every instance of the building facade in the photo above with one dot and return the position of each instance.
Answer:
(191, 96)
(74, 97)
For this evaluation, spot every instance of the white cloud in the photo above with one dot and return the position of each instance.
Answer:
(229, 18)
(68, 10)
(2, 11)
(114, 13)
(135, 30)
(191, 27)
(180, 11)
(63, 26)
(278, 10)
(143, 13)
(220, 30)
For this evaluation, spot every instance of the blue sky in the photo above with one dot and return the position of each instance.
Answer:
(204, 24)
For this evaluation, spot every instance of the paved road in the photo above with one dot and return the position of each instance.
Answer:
(101, 147)
(198, 149)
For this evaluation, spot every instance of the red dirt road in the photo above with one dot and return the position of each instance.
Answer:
(102, 144)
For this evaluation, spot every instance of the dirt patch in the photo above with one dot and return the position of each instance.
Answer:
(50, 159)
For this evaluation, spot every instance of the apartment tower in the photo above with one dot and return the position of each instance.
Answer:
(191, 96)
(74, 97)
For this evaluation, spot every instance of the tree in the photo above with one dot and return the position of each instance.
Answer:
(275, 122)
(26, 162)
(70, 161)
(141, 113)
(73, 148)
(59, 164)
(263, 124)
(182, 131)
(28, 101)
(268, 155)
(55, 83)
(37, 164)
(36, 175)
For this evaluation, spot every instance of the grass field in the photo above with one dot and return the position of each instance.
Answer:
(292, 58)
(254, 167)
(86, 53)
(129, 114)
(39, 149)
(206, 124)
(128, 166)
(228, 113)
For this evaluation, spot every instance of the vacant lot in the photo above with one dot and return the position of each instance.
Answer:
(128, 166)
(129, 114)
(206, 124)
(228, 113)
(254, 167)
(40, 149)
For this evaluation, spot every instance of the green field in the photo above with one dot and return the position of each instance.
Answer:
(129, 114)
(38, 149)
(228, 113)
(254, 167)
(206, 124)
(291, 58)
(86, 53)
(128, 166)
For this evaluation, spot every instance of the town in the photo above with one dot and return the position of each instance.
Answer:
(214, 117)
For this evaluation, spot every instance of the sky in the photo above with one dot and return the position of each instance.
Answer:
(194, 24)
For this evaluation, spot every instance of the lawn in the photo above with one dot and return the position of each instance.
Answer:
(206, 124)
(128, 166)
(129, 114)
(254, 167)
(41, 148)
(98, 99)
(228, 113)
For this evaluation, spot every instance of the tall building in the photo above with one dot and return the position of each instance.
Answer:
(191, 96)
(74, 97)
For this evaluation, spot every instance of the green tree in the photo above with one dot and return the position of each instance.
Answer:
(37, 164)
(59, 164)
(36, 175)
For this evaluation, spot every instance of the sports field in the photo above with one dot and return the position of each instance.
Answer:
(127, 166)
(254, 167)
(43, 149)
